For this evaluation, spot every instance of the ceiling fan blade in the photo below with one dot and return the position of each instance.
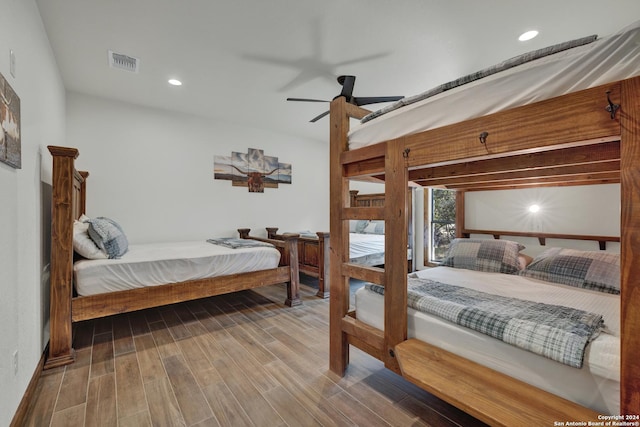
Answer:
(375, 99)
(307, 100)
(316, 118)
(347, 83)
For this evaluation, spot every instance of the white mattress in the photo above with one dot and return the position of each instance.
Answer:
(596, 385)
(361, 245)
(162, 263)
(606, 60)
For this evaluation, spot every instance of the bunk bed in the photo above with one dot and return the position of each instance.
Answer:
(581, 130)
(68, 305)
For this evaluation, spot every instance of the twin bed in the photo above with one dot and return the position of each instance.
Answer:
(121, 278)
(569, 118)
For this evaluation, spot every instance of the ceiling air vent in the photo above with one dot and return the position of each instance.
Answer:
(123, 62)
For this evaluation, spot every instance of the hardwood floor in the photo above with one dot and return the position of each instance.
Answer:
(242, 359)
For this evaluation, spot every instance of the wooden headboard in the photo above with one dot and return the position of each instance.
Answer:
(365, 200)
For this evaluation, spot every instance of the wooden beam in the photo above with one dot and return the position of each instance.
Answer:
(561, 172)
(629, 116)
(395, 257)
(571, 156)
(339, 231)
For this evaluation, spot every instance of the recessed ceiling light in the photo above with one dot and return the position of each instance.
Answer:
(528, 35)
(175, 82)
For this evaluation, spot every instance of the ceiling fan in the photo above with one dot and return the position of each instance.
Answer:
(347, 83)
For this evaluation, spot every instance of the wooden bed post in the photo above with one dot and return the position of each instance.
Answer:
(61, 280)
(460, 213)
(324, 286)
(339, 244)
(630, 246)
(395, 250)
(293, 285)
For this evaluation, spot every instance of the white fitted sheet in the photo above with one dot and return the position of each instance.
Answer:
(596, 385)
(605, 60)
(161, 263)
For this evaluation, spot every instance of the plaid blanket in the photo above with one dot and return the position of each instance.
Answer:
(557, 332)
(235, 243)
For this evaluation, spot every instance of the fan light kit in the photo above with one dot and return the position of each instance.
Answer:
(347, 83)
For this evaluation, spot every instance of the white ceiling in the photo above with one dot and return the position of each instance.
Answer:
(239, 60)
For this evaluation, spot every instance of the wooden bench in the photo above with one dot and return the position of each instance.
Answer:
(488, 395)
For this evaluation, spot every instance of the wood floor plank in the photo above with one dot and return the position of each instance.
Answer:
(122, 336)
(69, 417)
(75, 380)
(82, 335)
(176, 328)
(381, 406)
(101, 401)
(151, 367)
(102, 325)
(228, 410)
(193, 405)
(196, 359)
(250, 344)
(253, 368)
(357, 412)
(313, 401)
(140, 419)
(163, 406)
(164, 341)
(253, 403)
(129, 387)
(138, 323)
(291, 410)
(102, 354)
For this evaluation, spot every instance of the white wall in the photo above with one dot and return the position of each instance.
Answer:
(152, 171)
(23, 199)
(587, 210)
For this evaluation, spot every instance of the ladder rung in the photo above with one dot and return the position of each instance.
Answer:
(363, 213)
(362, 272)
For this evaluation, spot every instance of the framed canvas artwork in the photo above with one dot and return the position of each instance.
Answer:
(10, 148)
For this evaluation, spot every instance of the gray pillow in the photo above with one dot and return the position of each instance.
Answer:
(599, 271)
(496, 256)
(108, 236)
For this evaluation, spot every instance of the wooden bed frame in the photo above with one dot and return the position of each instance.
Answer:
(568, 140)
(68, 203)
(313, 253)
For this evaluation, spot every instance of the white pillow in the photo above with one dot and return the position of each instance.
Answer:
(83, 244)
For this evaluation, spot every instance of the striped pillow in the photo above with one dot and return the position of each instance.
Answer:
(596, 270)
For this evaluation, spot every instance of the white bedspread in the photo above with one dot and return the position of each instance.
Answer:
(162, 263)
(606, 60)
(596, 385)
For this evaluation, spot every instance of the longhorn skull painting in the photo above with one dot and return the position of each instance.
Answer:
(252, 169)
(10, 148)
